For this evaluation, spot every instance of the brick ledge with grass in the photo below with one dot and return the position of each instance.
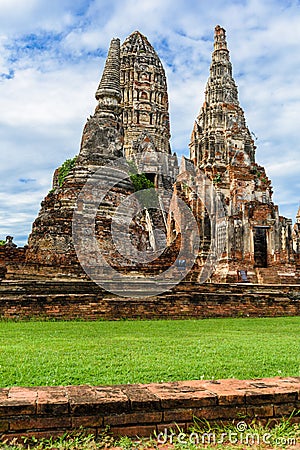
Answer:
(144, 409)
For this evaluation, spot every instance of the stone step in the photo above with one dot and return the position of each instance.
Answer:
(277, 275)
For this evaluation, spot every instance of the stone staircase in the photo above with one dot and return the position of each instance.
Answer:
(277, 275)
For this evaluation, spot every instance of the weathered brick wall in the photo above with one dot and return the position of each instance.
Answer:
(11, 254)
(143, 409)
(84, 299)
(11, 257)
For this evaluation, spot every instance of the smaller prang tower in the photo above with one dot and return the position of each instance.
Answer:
(258, 240)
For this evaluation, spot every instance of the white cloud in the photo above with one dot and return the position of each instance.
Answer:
(19, 16)
(11, 9)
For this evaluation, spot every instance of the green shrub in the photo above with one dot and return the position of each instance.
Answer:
(139, 180)
(64, 169)
(142, 183)
(218, 178)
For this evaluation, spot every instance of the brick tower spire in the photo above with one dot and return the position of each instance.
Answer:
(220, 129)
(221, 86)
(222, 147)
(102, 138)
(145, 97)
(108, 93)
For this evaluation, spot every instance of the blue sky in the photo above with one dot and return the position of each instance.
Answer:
(51, 58)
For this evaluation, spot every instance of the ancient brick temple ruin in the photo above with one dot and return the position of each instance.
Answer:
(131, 120)
(258, 240)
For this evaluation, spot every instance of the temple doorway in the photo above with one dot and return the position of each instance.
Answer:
(260, 246)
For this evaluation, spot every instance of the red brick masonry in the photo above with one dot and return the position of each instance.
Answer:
(68, 300)
(142, 409)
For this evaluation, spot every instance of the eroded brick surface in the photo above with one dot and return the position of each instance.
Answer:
(52, 400)
(141, 409)
(69, 300)
(96, 400)
(141, 398)
(176, 394)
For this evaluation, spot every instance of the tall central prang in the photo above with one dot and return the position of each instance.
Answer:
(145, 109)
(145, 97)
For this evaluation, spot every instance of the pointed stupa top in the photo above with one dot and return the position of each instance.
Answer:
(109, 86)
(221, 86)
(145, 97)
(220, 39)
(136, 42)
(221, 122)
(298, 215)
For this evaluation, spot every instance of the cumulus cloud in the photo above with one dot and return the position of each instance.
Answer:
(19, 17)
(52, 55)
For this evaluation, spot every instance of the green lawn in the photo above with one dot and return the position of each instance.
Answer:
(55, 353)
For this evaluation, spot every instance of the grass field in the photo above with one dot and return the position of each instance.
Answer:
(61, 353)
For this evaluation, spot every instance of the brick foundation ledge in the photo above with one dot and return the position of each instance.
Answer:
(141, 409)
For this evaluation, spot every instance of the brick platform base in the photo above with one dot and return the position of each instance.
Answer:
(69, 300)
(144, 409)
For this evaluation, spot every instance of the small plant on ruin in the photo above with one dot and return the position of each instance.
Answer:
(139, 180)
(256, 172)
(65, 169)
(218, 178)
(2, 242)
(141, 183)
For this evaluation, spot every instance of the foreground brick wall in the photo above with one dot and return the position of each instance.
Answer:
(143, 409)
(84, 299)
